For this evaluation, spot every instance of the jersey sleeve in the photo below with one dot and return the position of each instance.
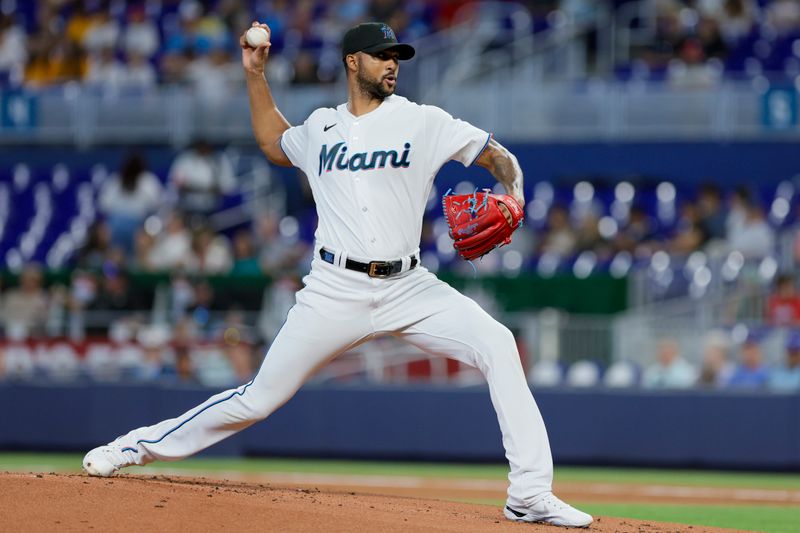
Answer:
(452, 139)
(294, 143)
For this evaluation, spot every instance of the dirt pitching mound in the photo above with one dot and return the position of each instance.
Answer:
(57, 502)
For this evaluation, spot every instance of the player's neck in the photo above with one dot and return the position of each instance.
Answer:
(360, 103)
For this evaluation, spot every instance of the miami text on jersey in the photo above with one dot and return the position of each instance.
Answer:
(361, 160)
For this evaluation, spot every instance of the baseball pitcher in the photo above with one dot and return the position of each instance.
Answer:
(371, 163)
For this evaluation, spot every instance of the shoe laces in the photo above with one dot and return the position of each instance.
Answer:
(551, 500)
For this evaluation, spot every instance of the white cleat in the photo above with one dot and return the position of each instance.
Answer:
(549, 510)
(105, 461)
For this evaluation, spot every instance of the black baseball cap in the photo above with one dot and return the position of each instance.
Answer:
(374, 37)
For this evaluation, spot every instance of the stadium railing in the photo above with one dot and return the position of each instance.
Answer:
(519, 111)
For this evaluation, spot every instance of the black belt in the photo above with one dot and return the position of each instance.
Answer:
(374, 269)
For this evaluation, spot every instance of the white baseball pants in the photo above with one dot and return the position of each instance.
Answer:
(339, 309)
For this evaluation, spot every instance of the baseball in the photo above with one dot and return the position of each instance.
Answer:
(256, 36)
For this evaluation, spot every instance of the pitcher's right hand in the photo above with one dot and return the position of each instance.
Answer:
(253, 59)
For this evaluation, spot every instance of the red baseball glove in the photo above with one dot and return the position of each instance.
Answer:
(481, 222)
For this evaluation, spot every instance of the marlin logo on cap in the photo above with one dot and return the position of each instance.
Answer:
(387, 32)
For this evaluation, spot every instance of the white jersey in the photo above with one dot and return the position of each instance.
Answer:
(371, 175)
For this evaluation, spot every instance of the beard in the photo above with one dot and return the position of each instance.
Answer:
(372, 88)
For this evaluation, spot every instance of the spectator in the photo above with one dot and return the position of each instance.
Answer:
(245, 258)
(737, 211)
(708, 32)
(139, 73)
(102, 33)
(197, 31)
(383, 9)
(115, 294)
(97, 248)
(669, 34)
(237, 339)
(755, 239)
(211, 253)
(235, 13)
(689, 234)
(588, 234)
(141, 34)
(787, 378)
(560, 238)
(690, 69)
(174, 67)
(211, 30)
(201, 307)
(105, 72)
(305, 69)
(637, 233)
(281, 298)
(172, 247)
(78, 23)
(671, 371)
(213, 75)
(127, 198)
(783, 306)
(114, 302)
(153, 339)
(63, 61)
(25, 307)
(737, 18)
(13, 49)
(716, 369)
(712, 216)
(181, 294)
(83, 289)
(200, 178)
(279, 255)
(142, 251)
(751, 373)
(184, 338)
(783, 16)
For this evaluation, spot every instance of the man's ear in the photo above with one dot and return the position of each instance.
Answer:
(351, 61)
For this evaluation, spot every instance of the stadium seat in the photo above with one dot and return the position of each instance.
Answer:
(546, 374)
(621, 374)
(583, 374)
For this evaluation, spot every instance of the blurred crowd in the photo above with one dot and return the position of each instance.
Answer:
(154, 272)
(143, 223)
(113, 44)
(757, 363)
(135, 45)
(698, 40)
(704, 220)
(749, 369)
(608, 226)
(150, 226)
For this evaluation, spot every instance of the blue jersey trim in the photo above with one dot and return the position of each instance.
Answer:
(482, 149)
(234, 393)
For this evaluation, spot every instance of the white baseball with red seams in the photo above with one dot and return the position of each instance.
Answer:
(371, 176)
(256, 36)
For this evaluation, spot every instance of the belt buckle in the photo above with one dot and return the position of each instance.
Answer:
(375, 265)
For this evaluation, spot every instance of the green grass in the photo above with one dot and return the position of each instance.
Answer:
(71, 463)
(700, 478)
(756, 480)
(764, 518)
(772, 519)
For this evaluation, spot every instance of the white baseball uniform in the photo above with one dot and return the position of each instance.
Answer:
(371, 176)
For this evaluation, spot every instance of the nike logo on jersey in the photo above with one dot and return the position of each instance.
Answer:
(326, 128)
(362, 160)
